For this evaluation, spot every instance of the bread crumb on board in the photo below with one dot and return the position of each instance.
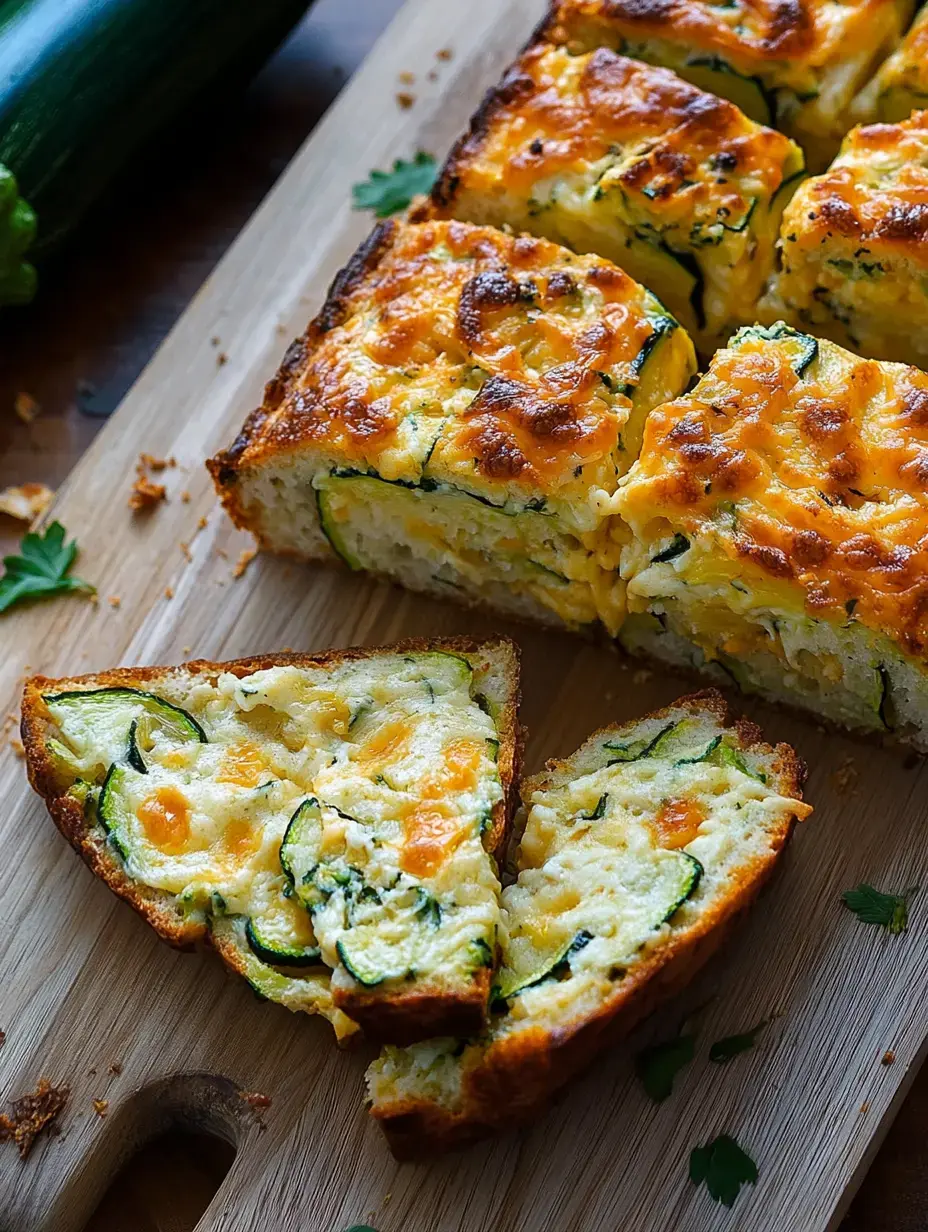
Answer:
(888, 1058)
(26, 502)
(405, 100)
(17, 746)
(33, 1115)
(101, 1106)
(844, 779)
(244, 561)
(116, 1068)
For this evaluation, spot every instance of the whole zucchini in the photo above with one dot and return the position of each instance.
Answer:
(83, 83)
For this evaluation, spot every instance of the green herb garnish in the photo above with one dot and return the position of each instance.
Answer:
(658, 1065)
(724, 1050)
(388, 192)
(42, 568)
(724, 1167)
(890, 911)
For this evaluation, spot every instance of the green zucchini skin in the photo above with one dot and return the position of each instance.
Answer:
(17, 231)
(277, 955)
(83, 83)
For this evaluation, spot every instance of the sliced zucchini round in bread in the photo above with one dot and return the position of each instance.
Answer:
(299, 851)
(117, 723)
(282, 935)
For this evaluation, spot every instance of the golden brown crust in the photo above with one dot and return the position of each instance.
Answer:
(419, 1014)
(519, 1074)
(554, 113)
(395, 1017)
(767, 31)
(874, 196)
(426, 311)
(803, 456)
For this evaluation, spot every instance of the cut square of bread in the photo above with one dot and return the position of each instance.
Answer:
(331, 823)
(854, 246)
(780, 519)
(796, 66)
(900, 85)
(636, 858)
(610, 155)
(457, 417)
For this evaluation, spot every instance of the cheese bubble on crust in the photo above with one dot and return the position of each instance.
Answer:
(854, 246)
(332, 823)
(457, 419)
(633, 855)
(794, 66)
(780, 524)
(611, 155)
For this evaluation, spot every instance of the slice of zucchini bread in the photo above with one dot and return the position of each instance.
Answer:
(780, 519)
(854, 246)
(610, 155)
(636, 856)
(796, 65)
(900, 86)
(457, 417)
(331, 823)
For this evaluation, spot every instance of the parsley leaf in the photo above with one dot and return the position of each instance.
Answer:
(724, 1049)
(873, 907)
(387, 192)
(658, 1065)
(724, 1167)
(41, 570)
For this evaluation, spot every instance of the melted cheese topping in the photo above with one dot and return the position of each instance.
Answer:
(603, 884)
(901, 84)
(792, 44)
(395, 747)
(811, 488)
(494, 363)
(609, 155)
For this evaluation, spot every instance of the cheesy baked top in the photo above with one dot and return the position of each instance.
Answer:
(496, 364)
(652, 831)
(802, 467)
(331, 816)
(874, 197)
(685, 158)
(900, 86)
(796, 63)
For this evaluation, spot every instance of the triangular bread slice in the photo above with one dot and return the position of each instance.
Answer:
(331, 823)
(636, 856)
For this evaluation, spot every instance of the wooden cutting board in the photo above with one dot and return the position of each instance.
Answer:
(89, 996)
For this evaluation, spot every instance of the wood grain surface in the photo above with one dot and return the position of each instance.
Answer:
(85, 985)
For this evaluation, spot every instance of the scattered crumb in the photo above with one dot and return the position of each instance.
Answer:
(444, 53)
(185, 497)
(185, 651)
(17, 746)
(223, 553)
(405, 100)
(280, 327)
(91, 1073)
(221, 359)
(386, 1198)
(185, 548)
(844, 779)
(114, 601)
(215, 340)
(169, 592)
(33, 1114)
(256, 1099)
(26, 407)
(146, 495)
(2, 1038)
(26, 502)
(888, 1058)
(431, 75)
(100, 1106)
(407, 78)
(202, 524)
(244, 561)
(116, 1068)
(865, 1106)
(641, 676)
